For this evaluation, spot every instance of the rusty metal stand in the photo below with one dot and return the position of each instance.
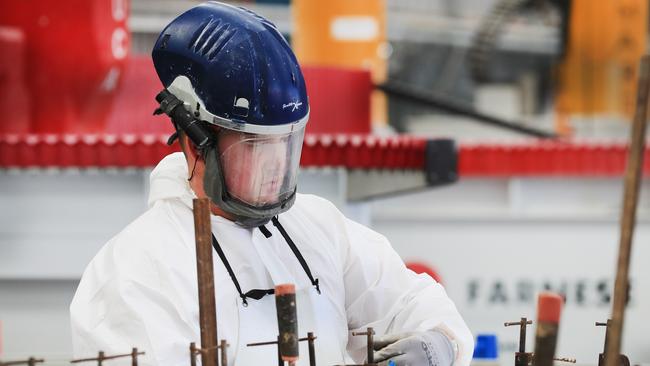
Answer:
(30, 362)
(195, 351)
(101, 357)
(310, 340)
(370, 358)
(622, 360)
(628, 216)
(370, 333)
(312, 350)
(223, 348)
(523, 358)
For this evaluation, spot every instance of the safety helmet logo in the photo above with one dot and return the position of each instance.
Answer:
(295, 105)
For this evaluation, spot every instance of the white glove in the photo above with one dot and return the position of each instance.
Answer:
(430, 348)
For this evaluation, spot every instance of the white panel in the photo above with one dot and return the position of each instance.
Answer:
(354, 28)
(487, 268)
(35, 321)
(496, 243)
(53, 222)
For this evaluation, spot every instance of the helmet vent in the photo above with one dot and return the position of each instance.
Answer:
(210, 38)
(198, 33)
(165, 41)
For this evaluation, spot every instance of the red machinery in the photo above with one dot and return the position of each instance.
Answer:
(66, 59)
(72, 96)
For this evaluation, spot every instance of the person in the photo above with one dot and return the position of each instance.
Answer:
(237, 98)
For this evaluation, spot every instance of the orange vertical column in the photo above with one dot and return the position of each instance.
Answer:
(343, 33)
(631, 44)
(598, 73)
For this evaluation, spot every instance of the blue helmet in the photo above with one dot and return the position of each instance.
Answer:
(240, 69)
(229, 67)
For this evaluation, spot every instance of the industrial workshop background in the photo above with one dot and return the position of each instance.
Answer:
(486, 139)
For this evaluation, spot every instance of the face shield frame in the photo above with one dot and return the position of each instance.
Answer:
(259, 169)
(246, 214)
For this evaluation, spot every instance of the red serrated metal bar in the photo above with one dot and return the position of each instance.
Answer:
(545, 159)
(351, 151)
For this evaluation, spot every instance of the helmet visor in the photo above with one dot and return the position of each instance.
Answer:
(260, 170)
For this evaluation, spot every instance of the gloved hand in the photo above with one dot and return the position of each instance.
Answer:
(430, 348)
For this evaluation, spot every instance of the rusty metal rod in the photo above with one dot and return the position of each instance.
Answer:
(203, 350)
(606, 325)
(30, 361)
(522, 332)
(194, 350)
(509, 324)
(274, 342)
(134, 356)
(628, 217)
(565, 359)
(193, 354)
(522, 358)
(101, 357)
(224, 355)
(371, 341)
(369, 333)
(312, 351)
(205, 277)
(560, 359)
(261, 344)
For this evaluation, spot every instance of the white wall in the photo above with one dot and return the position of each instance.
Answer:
(496, 243)
(51, 224)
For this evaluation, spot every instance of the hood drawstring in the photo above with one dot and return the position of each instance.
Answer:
(257, 294)
(296, 252)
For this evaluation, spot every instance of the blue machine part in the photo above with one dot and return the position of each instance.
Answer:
(487, 347)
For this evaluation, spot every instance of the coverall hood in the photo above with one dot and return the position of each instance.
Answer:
(168, 181)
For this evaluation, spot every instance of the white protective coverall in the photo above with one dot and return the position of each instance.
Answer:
(140, 290)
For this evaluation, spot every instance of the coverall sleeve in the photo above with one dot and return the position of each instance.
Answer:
(115, 313)
(382, 293)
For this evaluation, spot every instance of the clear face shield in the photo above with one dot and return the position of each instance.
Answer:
(260, 170)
